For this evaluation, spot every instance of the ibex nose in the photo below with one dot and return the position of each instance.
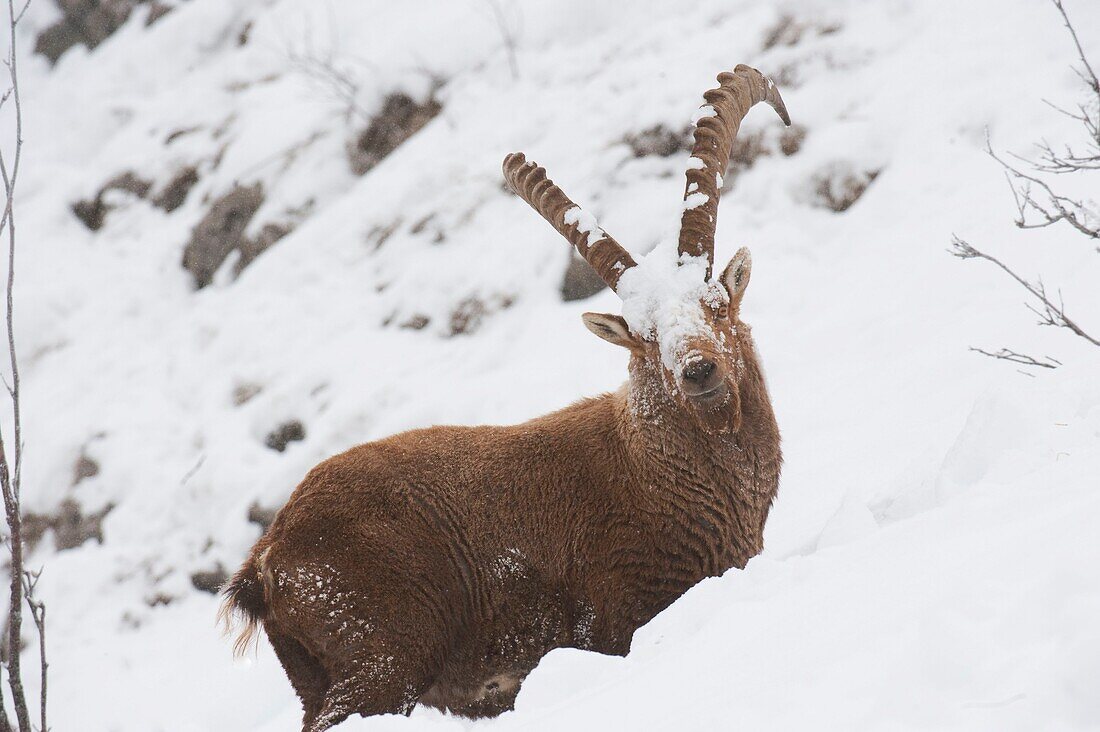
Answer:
(699, 376)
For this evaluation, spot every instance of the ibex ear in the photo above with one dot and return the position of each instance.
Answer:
(612, 328)
(736, 277)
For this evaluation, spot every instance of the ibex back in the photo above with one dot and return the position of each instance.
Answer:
(439, 565)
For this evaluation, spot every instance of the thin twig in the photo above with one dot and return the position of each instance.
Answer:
(11, 469)
(1088, 76)
(1051, 314)
(38, 615)
(508, 34)
(1068, 209)
(341, 85)
(1020, 358)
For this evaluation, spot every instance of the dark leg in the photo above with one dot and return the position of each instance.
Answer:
(306, 674)
(373, 684)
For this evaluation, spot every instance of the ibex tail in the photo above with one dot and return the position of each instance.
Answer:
(246, 599)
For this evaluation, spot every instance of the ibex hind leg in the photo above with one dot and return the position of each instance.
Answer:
(306, 674)
(381, 654)
(374, 684)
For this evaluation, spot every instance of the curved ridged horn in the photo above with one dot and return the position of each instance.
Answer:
(529, 182)
(714, 135)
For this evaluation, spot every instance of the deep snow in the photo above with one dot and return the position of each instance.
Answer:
(931, 559)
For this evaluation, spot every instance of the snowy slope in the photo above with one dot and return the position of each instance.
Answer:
(931, 559)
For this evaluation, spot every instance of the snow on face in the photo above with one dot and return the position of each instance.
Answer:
(661, 301)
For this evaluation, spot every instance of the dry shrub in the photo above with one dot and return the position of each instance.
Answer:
(378, 235)
(175, 192)
(467, 316)
(791, 139)
(284, 434)
(838, 186)
(243, 393)
(71, 528)
(400, 118)
(250, 248)
(210, 580)
(157, 10)
(262, 517)
(471, 312)
(90, 22)
(659, 140)
(431, 225)
(580, 281)
(789, 31)
(84, 468)
(220, 232)
(93, 212)
(751, 146)
(418, 321)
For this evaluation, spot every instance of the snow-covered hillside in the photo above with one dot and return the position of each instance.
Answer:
(932, 558)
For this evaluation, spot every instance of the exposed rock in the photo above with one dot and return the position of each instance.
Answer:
(71, 528)
(262, 517)
(94, 211)
(244, 392)
(580, 281)
(400, 118)
(659, 140)
(178, 133)
(789, 31)
(175, 193)
(416, 322)
(745, 150)
(210, 580)
(157, 10)
(749, 147)
(791, 139)
(220, 232)
(380, 233)
(253, 247)
(88, 22)
(284, 434)
(85, 467)
(469, 314)
(838, 186)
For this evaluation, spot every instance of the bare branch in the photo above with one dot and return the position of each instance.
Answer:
(1020, 358)
(38, 615)
(341, 85)
(1038, 205)
(22, 584)
(508, 33)
(332, 71)
(1087, 75)
(1051, 314)
(1061, 208)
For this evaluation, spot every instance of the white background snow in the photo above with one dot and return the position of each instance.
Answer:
(932, 559)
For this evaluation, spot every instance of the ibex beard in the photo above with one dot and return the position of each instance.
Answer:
(438, 566)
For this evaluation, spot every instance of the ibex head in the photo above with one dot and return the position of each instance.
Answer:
(680, 324)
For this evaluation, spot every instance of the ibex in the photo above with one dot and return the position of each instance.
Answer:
(438, 566)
